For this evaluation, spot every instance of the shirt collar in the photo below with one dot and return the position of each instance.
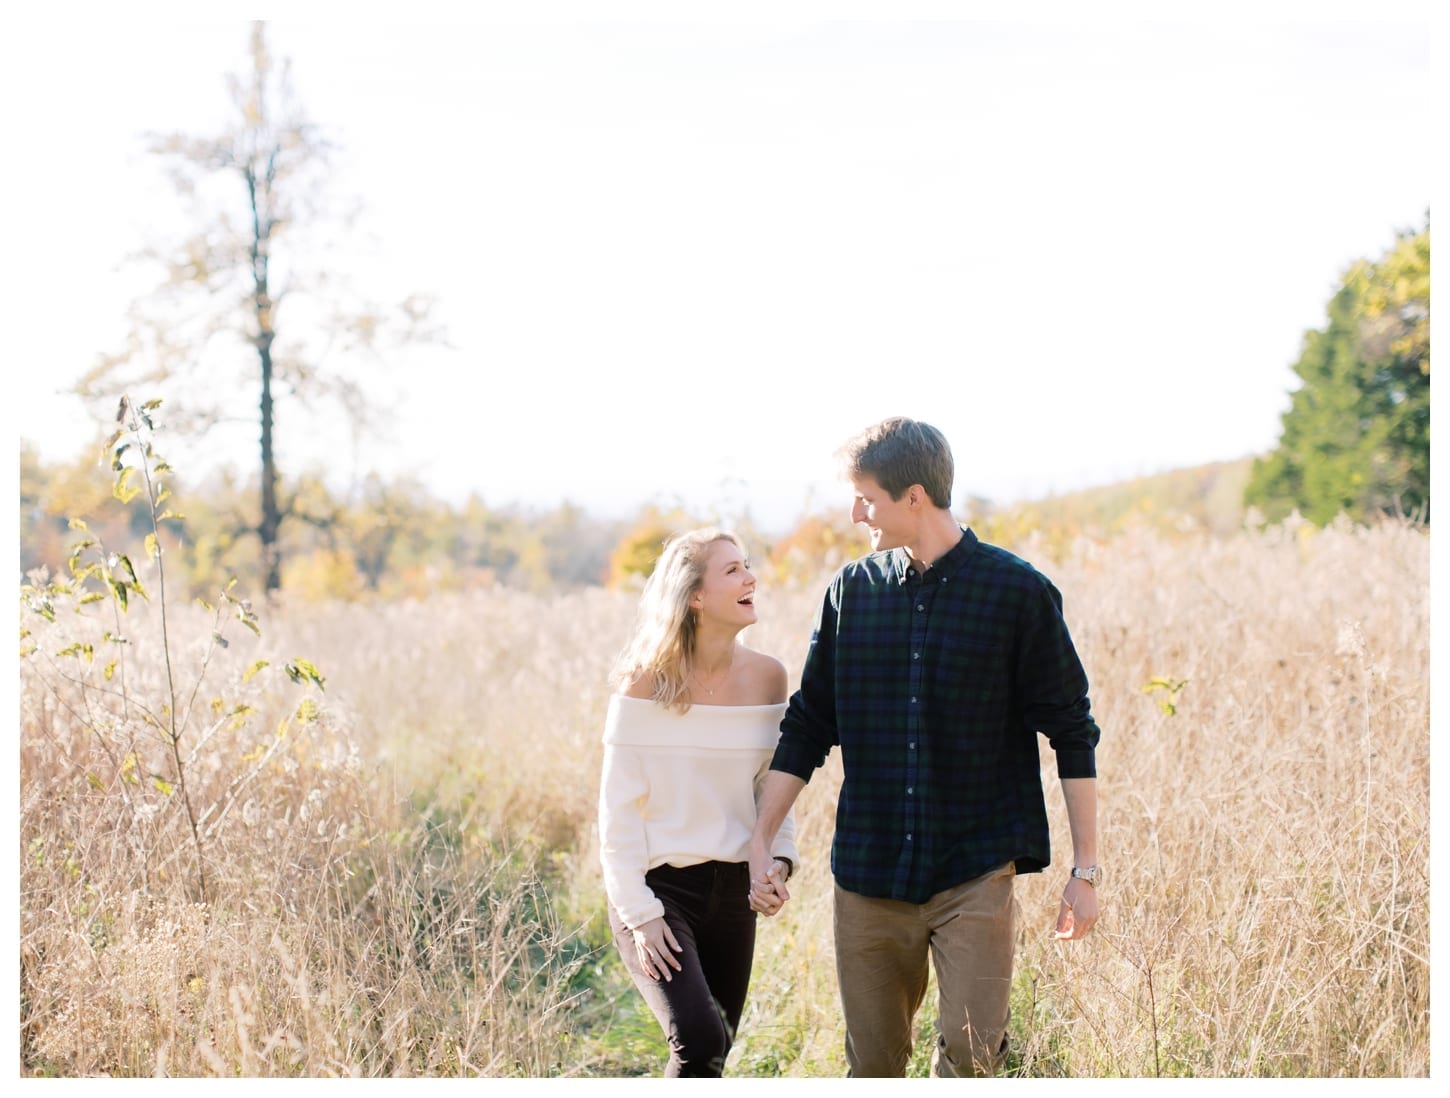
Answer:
(945, 565)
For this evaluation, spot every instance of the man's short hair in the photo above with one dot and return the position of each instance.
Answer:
(899, 452)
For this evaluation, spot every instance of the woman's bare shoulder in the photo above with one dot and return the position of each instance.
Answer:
(642, 687)
(766, 676)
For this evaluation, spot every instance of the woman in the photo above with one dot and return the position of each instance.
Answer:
(688, 739)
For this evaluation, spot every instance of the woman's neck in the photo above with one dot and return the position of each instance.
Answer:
(714, 652)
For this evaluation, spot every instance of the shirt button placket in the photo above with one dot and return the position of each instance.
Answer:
(910, 802)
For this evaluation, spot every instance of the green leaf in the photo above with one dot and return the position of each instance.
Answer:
(238, 716)
(119, 590)
(300, 670)
(162, 784)
(307, 711)
(96, 782)
(79, 524)
(93, 596)
(251, 672)
(109, 671)
(153, 548)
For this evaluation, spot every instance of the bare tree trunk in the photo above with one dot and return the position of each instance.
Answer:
(271, 518)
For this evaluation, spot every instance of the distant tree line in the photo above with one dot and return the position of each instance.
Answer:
(389, 539)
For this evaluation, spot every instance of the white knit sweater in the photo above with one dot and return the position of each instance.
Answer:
(680, 789)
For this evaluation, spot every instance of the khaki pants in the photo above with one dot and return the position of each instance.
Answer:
(882, 948)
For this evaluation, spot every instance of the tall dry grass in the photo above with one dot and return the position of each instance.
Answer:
(411, 885)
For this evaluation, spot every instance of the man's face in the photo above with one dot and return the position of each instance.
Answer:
(890, 522)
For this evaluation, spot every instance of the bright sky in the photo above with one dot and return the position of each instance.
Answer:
(682, 257)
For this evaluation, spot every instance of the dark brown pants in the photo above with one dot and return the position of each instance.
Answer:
(707, 907)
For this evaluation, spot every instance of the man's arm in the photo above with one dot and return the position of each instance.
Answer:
(1079, 908)
(776, 798)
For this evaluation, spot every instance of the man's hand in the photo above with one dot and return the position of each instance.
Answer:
(767, 883)
(1078, 910)
(653, 942)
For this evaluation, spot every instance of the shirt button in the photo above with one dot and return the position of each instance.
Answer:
(909, 791)
(916, 655)
(920, 607)
(912, 745)
(908, 836)
(913, 701)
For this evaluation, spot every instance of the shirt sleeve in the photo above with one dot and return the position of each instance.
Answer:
(1055, 686)
(808, 729)
(623, 845)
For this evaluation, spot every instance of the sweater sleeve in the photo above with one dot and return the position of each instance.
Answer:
(623, 846)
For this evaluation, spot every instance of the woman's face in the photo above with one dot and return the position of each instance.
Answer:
(727, 591)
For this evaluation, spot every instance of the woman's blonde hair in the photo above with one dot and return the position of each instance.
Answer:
(662, 643)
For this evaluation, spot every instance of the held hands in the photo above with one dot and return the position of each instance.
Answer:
(653, 942)
(767, 884)
(1078, 910)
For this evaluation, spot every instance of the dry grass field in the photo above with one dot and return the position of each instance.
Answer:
(397, 875)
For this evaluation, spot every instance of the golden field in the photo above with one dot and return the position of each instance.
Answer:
(236, 874)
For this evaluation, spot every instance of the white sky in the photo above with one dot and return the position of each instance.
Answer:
(684, 256)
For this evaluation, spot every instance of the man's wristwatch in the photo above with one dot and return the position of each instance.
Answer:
(1091, 874)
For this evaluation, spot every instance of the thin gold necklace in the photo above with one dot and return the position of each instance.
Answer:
(711, 692)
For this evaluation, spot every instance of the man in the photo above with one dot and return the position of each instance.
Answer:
(934, 663)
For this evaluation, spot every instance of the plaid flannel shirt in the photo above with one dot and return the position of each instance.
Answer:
(935, 687)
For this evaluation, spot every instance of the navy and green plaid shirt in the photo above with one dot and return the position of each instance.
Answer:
(935, 687)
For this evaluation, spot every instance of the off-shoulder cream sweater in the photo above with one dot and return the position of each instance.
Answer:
(680, 789)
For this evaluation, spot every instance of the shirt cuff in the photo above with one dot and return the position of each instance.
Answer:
(794, 760)
(1081, 763)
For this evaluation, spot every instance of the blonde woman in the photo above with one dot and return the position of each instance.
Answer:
(688, 739)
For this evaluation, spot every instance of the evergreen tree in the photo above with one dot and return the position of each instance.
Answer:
(1356, 437)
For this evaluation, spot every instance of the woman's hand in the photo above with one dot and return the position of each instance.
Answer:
(653, 943)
